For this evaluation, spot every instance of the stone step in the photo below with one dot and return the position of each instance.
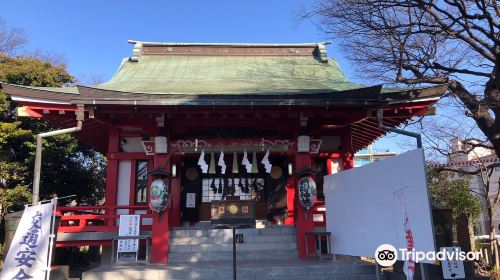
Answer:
(208, 225)
(194, 257)
(243, 277)
(226, 274)
(193, 240)
(245, 271)
(228, 247)
(228, 233)
(205, 245)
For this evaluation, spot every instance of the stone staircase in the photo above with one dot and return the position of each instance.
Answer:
(266, 253)
(251, 270)
(214, 245)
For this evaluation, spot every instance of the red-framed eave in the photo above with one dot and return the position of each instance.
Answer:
(362, 122)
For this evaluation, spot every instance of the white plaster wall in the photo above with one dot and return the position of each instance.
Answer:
(131, 144)
(123, 196)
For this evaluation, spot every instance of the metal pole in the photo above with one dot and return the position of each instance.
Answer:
(52, 236)
(423, 271)
(38, 155)
(58, 199)
(38, 167)
(380, 118)
(234, 253)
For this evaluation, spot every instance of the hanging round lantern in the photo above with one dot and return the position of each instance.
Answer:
(307, 192)
(159, 190)
(158, 195)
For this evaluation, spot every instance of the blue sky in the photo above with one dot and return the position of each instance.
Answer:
(92, 35)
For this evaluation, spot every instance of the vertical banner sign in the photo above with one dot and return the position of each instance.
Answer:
(28, 253)
(128, 249)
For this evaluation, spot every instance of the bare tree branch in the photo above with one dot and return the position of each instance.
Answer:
(421, 42)
(11, 39)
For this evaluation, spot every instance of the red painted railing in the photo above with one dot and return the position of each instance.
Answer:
(97, 218)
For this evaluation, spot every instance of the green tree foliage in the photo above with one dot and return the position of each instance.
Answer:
(31, 71)
(14, 198)
(449, 191)
(68, 166)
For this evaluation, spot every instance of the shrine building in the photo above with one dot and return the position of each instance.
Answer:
(230, 122)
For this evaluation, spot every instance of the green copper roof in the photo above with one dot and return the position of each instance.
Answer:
(196, 71)
(70, 90)
(210, 74)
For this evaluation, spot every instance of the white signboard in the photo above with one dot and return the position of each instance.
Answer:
(452, 269)
(365, 208)
(161, 145)
(129, 226)
(28, 253)
(190, 200)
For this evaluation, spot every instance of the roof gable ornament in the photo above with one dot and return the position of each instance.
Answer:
(136, 52)
(321, 51)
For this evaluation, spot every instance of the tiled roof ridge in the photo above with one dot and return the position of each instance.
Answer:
(317, 50)
(229, 44)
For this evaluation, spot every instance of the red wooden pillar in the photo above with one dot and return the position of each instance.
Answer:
(303, 223)
(347, 153)
(290, 200)
(175, 190)
(329, 169)
(112, 171)
(160, 227)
